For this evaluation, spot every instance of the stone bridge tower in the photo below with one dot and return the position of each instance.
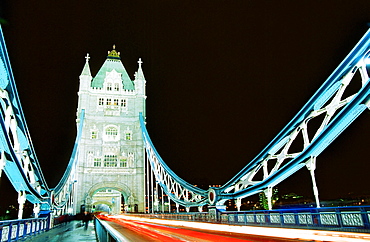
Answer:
(110, 166)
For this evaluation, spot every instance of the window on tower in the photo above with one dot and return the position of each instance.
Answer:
(94, 134)
(111, 131)
(123, 162)
(97, 162)
(101, 101)
(128, 136)
(116, 86)
(123, 103)
(110, 161)
(109, 86)
(116, 102)
(109, 101)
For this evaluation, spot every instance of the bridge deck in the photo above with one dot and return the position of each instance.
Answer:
(72, 231)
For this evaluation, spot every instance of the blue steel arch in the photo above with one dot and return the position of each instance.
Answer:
(17, 155)
(22, 167)
(339, 113)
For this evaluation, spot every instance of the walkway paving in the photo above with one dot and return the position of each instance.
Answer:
(72, 231)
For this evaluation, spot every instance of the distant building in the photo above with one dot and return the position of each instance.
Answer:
(111, 151)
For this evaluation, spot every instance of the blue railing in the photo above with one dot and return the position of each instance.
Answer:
(351, 219)
(12, 230)
(356, 219)
(105, 233)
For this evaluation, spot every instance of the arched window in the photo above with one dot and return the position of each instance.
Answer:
(111, 133)
(109, 86)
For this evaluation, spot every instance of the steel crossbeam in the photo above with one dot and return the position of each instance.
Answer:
(17, 156)
(176, 188)
(329, 109)
(316, 125)
(337, 111)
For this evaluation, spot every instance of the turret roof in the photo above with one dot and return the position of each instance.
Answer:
(86, 69)
(113, 62)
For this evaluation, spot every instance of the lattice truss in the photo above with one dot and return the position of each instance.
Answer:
(177, 189)
(14, 135)
(339, 101)
(17, 158)
(63, 194)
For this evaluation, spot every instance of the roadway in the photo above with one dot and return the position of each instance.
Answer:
(141, 229)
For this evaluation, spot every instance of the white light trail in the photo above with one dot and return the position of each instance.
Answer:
(303, 234)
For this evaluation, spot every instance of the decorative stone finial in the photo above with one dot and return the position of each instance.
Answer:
(113, 54)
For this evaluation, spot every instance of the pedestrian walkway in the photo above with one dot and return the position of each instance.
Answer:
(67, 232)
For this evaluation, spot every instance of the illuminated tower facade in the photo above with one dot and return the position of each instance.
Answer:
(110, 166)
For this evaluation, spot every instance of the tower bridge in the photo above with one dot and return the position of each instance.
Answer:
(115, 166)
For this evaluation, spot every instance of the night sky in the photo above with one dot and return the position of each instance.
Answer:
(223, 78)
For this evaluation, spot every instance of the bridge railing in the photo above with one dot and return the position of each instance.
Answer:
(351, 219)
(12, 230)
(354, 219)
(105, 233)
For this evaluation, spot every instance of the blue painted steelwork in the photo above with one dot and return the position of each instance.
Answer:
(13, 230)
(17, 154)
(20, 163)
(338, 112)
(14, 127)
(66, 183)
(355, 61)
(177, 189)
(106, 233)
(349, 219)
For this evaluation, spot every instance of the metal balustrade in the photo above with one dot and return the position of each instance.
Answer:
(105, 233)
(351, 219)
(12, 230)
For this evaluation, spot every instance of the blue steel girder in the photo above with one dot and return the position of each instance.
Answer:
(62, 193)
(276, 163)
(338, 112)
(176, 188)
(17, 156)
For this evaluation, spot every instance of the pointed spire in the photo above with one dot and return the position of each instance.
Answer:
(139, 74)
(86, 69)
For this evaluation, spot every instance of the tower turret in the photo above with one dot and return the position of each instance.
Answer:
(110, 166)
(85, 77)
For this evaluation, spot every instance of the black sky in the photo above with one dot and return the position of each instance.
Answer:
(223, 78)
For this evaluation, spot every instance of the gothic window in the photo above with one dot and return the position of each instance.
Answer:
(131, 158)
(101, 101)
(109, 86)
(116, 86)
(123, 103)
(111, 133)
(116, 102)
(128, 136)
(110, 161)
(97, 162)
(123, 162)
(109, 101)
(90, 155)
(94, 134)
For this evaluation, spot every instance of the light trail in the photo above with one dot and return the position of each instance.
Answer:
(169, 234)
(150, 226)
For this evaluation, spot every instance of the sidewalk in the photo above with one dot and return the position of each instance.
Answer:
(67, 232)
